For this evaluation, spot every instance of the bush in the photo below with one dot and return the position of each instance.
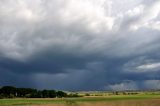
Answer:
(1, 96)
(87, 94)
(11, 96)
(73, 95)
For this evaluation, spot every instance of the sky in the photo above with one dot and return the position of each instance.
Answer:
(80, 44)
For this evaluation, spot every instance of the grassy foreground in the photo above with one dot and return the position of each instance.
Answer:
(119, 100)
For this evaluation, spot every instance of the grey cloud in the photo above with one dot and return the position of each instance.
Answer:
(57, 44)
(135, 85)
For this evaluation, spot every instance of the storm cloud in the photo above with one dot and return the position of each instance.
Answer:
(80, 44)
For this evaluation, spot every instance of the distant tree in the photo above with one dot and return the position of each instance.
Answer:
(73, 95)
(1, 96)
(87, 94)
(124, 93)
(7, 91)
(45, 94)
(23, 92)
(115, 93)
(61, 94)
(52, 93)
(11, 92)
(37, 94)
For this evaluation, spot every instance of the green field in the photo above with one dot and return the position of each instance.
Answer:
(55, 102)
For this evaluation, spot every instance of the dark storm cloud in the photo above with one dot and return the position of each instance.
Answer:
(68, 45)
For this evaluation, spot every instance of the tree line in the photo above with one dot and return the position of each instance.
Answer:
(13, 92)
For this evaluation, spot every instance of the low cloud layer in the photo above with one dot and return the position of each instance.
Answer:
(80, 44)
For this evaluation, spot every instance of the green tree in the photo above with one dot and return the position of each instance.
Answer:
(6, 91)
(61, 94)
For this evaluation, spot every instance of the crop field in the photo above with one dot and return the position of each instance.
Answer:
(114, 100)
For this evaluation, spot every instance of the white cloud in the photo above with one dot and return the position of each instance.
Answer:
(144, 14)
(30, 26)
(142, 65)
(84, 26)
(150, 66)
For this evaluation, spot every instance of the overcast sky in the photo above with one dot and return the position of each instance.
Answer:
(80, 44)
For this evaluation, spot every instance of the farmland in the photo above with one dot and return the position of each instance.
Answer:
(140, 99)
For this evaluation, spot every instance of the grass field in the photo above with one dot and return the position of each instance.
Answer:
(115, 100)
